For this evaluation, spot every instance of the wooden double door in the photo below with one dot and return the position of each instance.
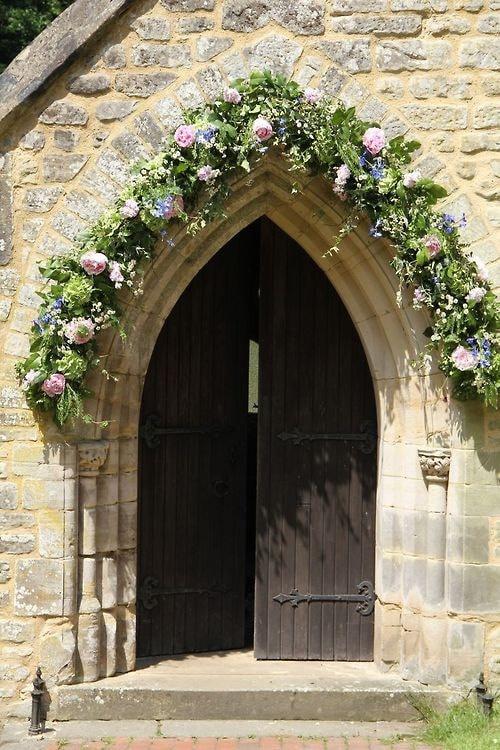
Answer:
(258, 464)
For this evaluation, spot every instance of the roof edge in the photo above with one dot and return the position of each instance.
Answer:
(51, 51)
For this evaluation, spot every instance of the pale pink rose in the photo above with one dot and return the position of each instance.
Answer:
(418, 296)
(232, 96)
(130, 209)
(410, 179)
(185, 135)
(79, 330)
(54, 385)
(482, 272)
(374, 140)
(115, 273)
(343, 173)
(312, 96)
(463, 358)
(93, 263)
(476, 294)
(262, 129)
(207, 173)
(433, 245)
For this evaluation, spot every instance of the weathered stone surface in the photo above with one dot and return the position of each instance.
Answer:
(379, 25)
(58, 649)
(114, 167)
(275, 52)
(245, 15)
(491, 85)
(51, 533)
(189, 94)
(208, 47)
(465, 647)
(130, 146)
(211, 81)
(66, 140)
(151, 27)
(84, 206)
(483, 54)
(16, 520)
(474, 588)
(194, 25)
(15, 544)
(338, 7)
(353, 57)
(471, 6)
(392, 88)
(31, 229)
(472, 143)
(447, 25)
(53, 246)
(39, 587)
(90, 84)
(62, 168)
(428, 87)
(115, 57)
(164, 56)
(9, 282)
(188, 5)
(142, 85)
(413, 55)
(5, 307)
(6, 210)
(33, 141)
(96, 181)
(332, 81)
(300, 17)
(64, 113)
(8, 496)
(149, 130)
(40, 200)
(17, 631)
(114, 109)
(427, 6)
(489, 24)
(4, 577)
(487, 116)
(67, 224)
(170, 114)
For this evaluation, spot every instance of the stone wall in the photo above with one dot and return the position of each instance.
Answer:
(426, 68)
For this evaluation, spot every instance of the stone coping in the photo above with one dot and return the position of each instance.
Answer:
(53, 50)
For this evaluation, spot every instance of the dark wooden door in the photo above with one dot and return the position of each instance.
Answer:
(191, 593)
(316, 497)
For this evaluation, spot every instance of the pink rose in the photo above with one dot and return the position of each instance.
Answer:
(410, 179)
(433, 245)
(185, 135)
(207, 173)
(93, 263)
(130, 209)
(463, 358)
(374, 140)
(312, 96)
(262, 129)
(79, 330)
(54, 385)
(115, 274)
(232, 96)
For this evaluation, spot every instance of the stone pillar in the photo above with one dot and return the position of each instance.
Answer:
(435, 464)
(92, 456)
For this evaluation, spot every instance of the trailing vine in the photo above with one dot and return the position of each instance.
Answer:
(189, 182)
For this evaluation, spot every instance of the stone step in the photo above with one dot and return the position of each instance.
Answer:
(234, 686)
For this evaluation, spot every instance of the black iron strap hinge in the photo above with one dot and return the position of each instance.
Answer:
(365, 598)
(150, 591)
(365, 439)
(152, 431)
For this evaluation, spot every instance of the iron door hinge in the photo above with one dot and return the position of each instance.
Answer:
(365, 598)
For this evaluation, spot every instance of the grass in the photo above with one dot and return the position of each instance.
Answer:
(462, 727)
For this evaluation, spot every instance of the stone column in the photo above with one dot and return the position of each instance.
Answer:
(435, 464)
(92, 456)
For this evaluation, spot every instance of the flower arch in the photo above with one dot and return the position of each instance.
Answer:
(188, 182)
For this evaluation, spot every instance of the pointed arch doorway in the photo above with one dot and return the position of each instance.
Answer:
(257, 464)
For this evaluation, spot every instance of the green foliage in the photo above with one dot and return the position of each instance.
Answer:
(317, 138)
(462, 727)
(21, 21)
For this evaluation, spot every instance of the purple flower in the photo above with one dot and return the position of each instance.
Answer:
(54, 385)
(433, 245)
(185, 135)
(206, 135)
(232, 96)
(312, 96)
(168, 207)
(374, 140)
(418, 296)
(447, 223)
(464, 359)
(363, 161)
(57, 303)
(208, 173)
(378, 169)
(410, 179)
(130, 209)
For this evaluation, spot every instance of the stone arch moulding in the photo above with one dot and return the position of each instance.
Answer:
(409, 406)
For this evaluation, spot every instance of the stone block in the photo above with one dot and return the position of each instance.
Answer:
(127, 526)
(128, 486)
(152, 28)
(208, 47)
(107, 489)
(40, 200)
(16, 544)
(113, 166)
(90, 84)
(5, 574)
(481, 54)
(164, 56)
(115, 57)
(432, 651)
(390, 578)
(339, 7)
(64, 113)
(188, 6)
(17, 631)
(189, 94)
(465, 652)
(83, 206)
(39, 587)
(107, 578)
(130, 147)
(107, 528)
(108, 644)
(143, 85)
(8, 496)
(9, 281)
(436, 117)
(491, 85)
(125, 639)
(63, 167)
(33, 141)
(127, 574)
(427, 6)
(275, 52)
(474, 588)
(99, 183)
(211, 81)
(430, 87)
(468, 539)
(414, 581)
(58, 651)
(352, 56)
(332, 81)
(114, 109)
(487, 116)
(66, 140)
(16, 520)
(51, 533)
(149, 130)
(413, 54)
(447, 24)
(194, 25)
(68, 225)
(403, 25)
(6, 214)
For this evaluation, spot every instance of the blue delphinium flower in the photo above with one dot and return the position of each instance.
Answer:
(206, 135)
(43, 320)
(58, 303)
(376, 229)
(163, 206)
(377, 170)
(282, 126)
(363, 161)
(447, 223)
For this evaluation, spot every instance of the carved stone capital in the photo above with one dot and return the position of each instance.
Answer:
(435, 464)
(91, 456)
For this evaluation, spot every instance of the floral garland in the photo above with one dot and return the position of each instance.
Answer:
(189, 182)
